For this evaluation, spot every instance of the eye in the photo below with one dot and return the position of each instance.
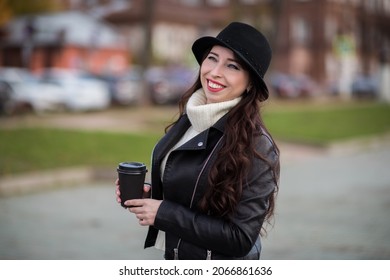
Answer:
(233, 66)
(212, 58)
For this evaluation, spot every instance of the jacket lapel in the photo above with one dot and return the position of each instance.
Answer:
(171, 138)
(162, 148)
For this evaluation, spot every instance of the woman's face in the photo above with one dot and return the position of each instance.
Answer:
(222, 77)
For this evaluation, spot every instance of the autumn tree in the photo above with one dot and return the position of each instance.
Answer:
(13, 8)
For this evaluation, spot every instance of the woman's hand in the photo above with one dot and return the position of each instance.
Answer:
(117, 191)
(144, 209)
(146, 193)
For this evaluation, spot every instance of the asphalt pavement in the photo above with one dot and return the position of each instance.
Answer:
(332, 204)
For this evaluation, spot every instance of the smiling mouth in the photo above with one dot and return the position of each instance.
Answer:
(214, 86)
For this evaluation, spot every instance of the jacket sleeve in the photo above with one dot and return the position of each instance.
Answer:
(234, 237)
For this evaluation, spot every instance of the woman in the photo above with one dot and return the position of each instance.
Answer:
(215, 172)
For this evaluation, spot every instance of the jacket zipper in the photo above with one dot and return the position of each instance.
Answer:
(208, 255)
(176, 250)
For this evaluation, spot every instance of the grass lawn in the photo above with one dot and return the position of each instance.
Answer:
(36, 148)
(31, 149)
(319, 124)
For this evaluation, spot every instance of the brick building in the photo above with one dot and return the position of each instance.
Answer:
(63, 40)
(320, 37)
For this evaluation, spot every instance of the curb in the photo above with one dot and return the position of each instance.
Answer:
(53, 179)
(359, 144)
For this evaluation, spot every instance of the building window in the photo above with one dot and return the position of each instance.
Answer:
(330, 29)
(300, 31)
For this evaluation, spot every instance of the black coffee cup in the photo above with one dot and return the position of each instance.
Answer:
(131, 180)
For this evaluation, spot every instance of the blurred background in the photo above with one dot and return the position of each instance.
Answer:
(320, 47)
(86, 84)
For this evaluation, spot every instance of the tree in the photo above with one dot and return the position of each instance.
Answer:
(13, 8)
(5, 12)
(23, 7)
(149, 6)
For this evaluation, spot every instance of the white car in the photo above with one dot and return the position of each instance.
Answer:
(28, 92)
(125, 88)
(80, 92)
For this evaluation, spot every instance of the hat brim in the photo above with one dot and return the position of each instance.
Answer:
(201, 45)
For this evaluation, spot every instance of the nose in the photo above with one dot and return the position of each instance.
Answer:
(217, 70)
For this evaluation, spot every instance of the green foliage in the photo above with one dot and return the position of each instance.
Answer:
(23, 7)
(5, 12)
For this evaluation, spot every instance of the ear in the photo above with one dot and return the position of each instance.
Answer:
(249, 87)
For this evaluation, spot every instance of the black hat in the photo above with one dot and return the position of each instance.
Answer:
(245, 41)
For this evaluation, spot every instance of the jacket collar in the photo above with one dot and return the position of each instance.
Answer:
(177, 131)
(220, 124)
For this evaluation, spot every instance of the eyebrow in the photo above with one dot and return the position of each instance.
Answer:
(231, 59)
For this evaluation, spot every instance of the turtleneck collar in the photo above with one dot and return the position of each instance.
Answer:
(201, 115)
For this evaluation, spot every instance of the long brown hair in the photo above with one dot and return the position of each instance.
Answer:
(229, 171)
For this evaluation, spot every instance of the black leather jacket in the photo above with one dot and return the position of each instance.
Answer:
(189, 233)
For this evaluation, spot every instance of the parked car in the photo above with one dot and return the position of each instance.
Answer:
(5, 97)
(168, 84)
(26, 92)
(292, 86)
(365, 86)
(80, 91)
(125, 88)
(128, 88)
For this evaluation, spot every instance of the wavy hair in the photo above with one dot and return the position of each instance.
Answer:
(229, 171)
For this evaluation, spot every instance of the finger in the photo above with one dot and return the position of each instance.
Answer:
(146, 193)
(140, 216)
(143, 222)
(135, 210)
(134, 202)
(147, 188)
(118, 194)
(117, 190)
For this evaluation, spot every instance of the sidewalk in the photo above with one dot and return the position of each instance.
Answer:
(333, 204)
